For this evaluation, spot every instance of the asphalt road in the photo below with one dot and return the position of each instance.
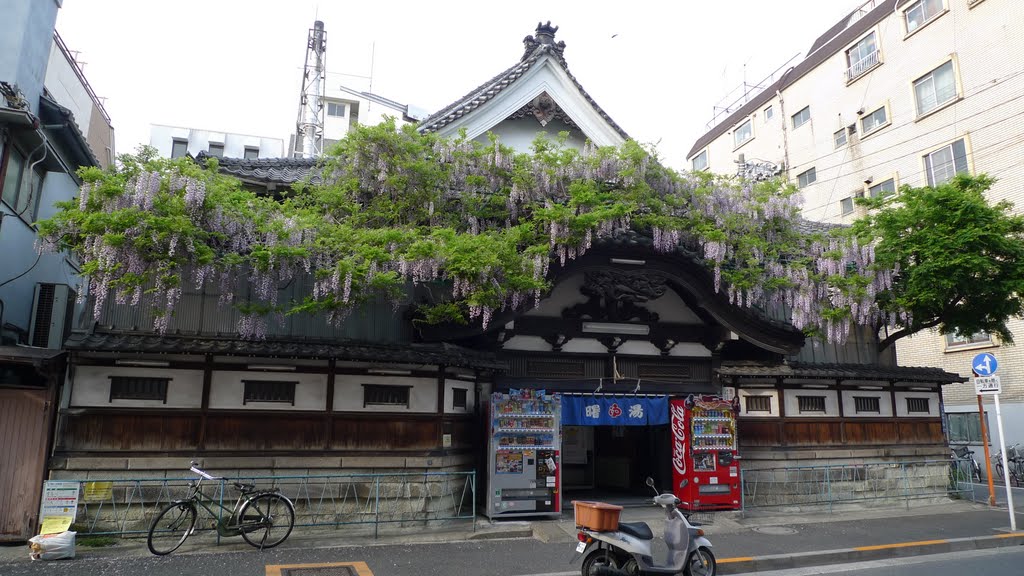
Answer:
(999, 561)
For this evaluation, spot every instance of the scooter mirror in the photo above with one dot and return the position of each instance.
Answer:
(650, 482)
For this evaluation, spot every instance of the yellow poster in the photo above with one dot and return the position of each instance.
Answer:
(99, 491)
(55, 524)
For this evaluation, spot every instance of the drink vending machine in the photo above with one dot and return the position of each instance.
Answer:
(525, 473)
(705, 461)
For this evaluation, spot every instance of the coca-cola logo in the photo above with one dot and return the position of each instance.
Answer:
(679, 438)
(614, 411)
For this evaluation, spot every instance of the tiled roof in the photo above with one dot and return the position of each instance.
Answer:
(830, 43)
(536, 49)
(842, 372)
(282, 171)
(410, 353)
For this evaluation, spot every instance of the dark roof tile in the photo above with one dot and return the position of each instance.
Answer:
(841, 372)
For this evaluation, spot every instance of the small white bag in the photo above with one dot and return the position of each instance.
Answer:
(52, 546)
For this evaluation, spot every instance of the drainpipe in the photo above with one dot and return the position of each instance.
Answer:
(785, 125)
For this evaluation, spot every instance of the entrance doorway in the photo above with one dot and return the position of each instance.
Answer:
(612, 462)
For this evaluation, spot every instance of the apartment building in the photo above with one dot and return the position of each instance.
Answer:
(898, 92)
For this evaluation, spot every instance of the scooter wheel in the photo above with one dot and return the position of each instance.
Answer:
(598, 559)
(701, 563)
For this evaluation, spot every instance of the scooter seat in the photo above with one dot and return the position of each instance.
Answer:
(637, 529)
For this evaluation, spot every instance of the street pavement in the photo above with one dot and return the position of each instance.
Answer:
(1001, 561)
(514, 548)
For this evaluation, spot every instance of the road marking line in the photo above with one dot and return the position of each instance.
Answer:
(360, 567)
(901, 545)
(737, 559)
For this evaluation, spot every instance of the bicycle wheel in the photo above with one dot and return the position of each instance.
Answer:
(171, 527)
(266, 520)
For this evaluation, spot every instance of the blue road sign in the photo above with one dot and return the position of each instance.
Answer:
(984, 364)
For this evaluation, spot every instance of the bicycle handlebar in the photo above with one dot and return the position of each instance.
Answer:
(194, 468)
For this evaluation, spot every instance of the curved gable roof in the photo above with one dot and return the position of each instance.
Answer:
(537, 49)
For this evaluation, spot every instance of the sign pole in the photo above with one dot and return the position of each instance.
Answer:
(1006, 467)
(988, 459)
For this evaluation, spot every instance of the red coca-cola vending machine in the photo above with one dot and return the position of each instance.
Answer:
(705, 462)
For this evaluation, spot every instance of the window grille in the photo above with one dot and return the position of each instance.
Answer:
(269, 391)
(385, 395)
(811, 403)
(138, 388)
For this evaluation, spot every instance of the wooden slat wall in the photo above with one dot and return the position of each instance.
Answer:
(801, 432)
(23, 430)
(107, 430)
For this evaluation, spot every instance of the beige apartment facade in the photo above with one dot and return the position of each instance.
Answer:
(899, 92)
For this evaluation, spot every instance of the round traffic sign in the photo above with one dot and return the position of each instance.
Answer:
(984, 364)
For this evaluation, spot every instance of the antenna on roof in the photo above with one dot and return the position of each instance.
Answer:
(309, 126)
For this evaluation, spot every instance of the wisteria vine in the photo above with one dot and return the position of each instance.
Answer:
(390, 208)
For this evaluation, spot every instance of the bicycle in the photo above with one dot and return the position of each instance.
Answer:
(963, 465)
(255, 516)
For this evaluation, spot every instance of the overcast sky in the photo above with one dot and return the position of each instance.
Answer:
(658, 67)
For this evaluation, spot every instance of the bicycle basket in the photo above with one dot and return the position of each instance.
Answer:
(961, 452)
(703, 517)
(1012, 453)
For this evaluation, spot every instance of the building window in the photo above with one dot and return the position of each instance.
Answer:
(861, 57)
(867, 405)
(138, 388)
(883, 189)
(840, 138)
(758, 404)
(918, 405)
(216, 150)
(965, 427)
(921, 12)
(769, 113)
(336, 109)
(946, 162)
(743, 133)
(807, 178)
(179, 148)
(22, 185)
(459, 398)
(269, 391)
(935, 88)
(954, 340)
(385, 395)
(802, 117)
(846, 205)
(808, 404)
(251, 153)
(700, 161)
(874, 121)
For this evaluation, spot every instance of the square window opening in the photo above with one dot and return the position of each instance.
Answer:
(861, 57)
(920, 12)
(840, 138)
(918, 405)
(179, 148)
(811, 404)
(336, 109)
(802, 117)
(138, 388)
(216, 150)
(874, 120)
(268, 391)
(385, 395)
(867, 404)
(806, 178)
(758, 404)
(954, 340)
(700, 161)
(935, 89)
(883, 189)
(459, 397)
(946, 162)
(744, 132)
(251, 153)
(846, 206)
(769, 113)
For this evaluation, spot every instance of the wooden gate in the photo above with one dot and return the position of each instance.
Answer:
(24, 423)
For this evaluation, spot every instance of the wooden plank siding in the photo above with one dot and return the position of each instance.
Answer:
(244, 431)
(801, 432)
(24, 427)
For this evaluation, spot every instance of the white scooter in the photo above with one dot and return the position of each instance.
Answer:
(628, 549)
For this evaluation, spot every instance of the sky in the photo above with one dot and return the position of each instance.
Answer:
(659, 68)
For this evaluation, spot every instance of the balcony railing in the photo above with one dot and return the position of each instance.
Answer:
(861, 66)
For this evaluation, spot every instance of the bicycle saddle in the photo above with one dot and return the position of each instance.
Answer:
(244, 487)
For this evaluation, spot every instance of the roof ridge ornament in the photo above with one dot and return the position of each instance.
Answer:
(545, 36)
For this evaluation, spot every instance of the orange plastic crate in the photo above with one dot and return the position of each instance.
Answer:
(597, 516)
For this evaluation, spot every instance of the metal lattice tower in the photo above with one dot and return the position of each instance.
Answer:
(309, 127)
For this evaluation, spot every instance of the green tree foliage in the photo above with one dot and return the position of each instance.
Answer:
(958, 259)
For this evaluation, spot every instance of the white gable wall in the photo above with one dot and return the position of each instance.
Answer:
(519, 133)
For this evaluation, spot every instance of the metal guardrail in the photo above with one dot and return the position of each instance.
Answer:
(126, 506)
(829, 485)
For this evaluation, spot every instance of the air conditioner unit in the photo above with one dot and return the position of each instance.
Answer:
(52, 309)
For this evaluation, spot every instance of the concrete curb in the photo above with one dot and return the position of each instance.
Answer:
(498, 534)
(866, 553)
